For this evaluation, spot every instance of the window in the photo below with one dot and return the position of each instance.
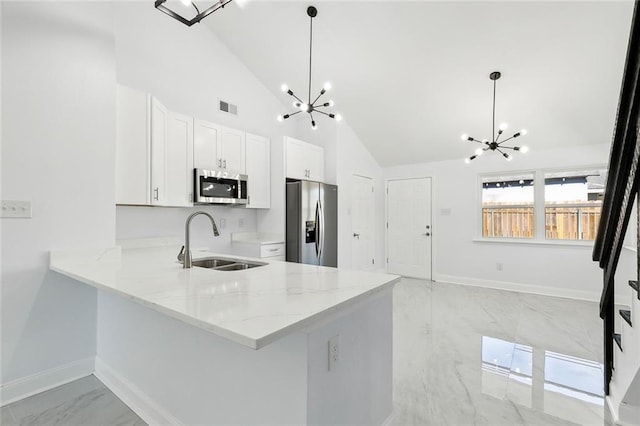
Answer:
(572, 204)
(508, 206)
(543, 205)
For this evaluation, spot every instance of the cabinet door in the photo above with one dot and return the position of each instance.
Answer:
(159, 118)
(315, 158)
(232, 150)
(133, 150)
(179, 160)
(297, 161)
(258, 169)
(205, 145)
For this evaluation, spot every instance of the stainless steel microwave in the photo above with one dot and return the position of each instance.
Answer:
(219, 187)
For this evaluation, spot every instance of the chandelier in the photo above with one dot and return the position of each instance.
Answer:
(495, 144)
(311, 106)
(188, 4)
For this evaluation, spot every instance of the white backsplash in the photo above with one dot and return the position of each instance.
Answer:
(133, 222)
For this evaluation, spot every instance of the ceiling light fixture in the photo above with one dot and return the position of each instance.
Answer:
(495, 144)
(310, 106)
(199, 16)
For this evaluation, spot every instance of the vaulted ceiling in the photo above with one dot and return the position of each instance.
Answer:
(411, 77)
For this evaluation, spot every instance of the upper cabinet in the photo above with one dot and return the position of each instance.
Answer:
(231, 149)
(304, 160)
(133, 147)
(157, 150)
(154, 152)
(205, 145)
(217, 147)
(258, 170)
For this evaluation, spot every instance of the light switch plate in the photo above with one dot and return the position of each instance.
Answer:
(15, 209)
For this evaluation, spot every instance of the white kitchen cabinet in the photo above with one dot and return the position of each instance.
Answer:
(159, 120)
(133, 147)
(218, 148)
(154, 152)
(258, 170)
(304, 160)
(205, 145)
(231, 150)
(261, 245)
(179, 163)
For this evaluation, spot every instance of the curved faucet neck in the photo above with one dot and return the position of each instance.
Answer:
(187, 237)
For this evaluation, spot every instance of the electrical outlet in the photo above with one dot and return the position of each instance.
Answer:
(499, 266)
(223, 223)
(334, 352)
(16, 209)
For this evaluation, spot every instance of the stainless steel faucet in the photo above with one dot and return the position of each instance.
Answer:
(185, 253)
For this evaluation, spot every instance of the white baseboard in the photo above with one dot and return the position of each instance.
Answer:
(592, 296)
(138, 401)
(45, 380)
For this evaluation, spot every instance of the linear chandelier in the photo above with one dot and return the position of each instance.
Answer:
(310, 106)
(495, 144)
(199, 16)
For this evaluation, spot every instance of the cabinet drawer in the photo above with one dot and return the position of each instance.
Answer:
(271, 250)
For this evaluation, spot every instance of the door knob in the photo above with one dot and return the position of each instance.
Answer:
(428, 227)
(356, 235)
(427, 234)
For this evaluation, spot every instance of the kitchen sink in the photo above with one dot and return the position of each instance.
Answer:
(212, 262)
(221, 264)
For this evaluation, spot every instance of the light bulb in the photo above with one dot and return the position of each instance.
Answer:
(485, 141)
(338, 117)
(467, 161)
(280, 118)
(303, 107)
(186, 2)
(479, 151)
(313, 125)
(523, 132)
(327, 86)
(508, 157)
(284, 87)
(330, 103)
(503, 126)
(524, 149)
(464, 137)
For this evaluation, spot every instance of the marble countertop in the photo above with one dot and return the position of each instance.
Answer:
(252, 307)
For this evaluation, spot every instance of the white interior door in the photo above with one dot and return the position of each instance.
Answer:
(409, 227)
(362, 219)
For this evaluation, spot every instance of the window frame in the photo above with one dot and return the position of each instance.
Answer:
(539, 236)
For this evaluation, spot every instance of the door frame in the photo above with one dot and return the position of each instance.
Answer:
(386, 220)
(373, 219)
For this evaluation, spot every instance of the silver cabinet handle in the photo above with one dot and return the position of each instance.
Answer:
(225, 164)
(248, 199)
(356, 235)
(219, 163)
(156, 193)
(275, 249)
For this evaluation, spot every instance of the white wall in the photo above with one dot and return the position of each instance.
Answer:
(189, 70)
(561, 270)
(58, 128)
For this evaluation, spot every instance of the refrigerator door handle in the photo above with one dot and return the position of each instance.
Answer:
(321, 226)
(317, 231)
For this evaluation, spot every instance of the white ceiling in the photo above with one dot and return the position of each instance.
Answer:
(411, 77)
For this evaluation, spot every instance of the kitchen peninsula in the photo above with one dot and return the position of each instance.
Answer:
(282, 343)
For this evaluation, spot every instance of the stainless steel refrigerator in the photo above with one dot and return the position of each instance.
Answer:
(312, 223)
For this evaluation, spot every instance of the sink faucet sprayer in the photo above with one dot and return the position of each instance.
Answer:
(185, 253)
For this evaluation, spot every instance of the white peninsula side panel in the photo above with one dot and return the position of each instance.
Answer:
(186, 375)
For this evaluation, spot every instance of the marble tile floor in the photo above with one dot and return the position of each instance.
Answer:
(462, 356)
(476, 356)
(85, 401)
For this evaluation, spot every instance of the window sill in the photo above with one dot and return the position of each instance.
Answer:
(534, 242)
